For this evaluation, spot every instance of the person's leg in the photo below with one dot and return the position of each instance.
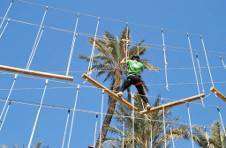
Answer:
(126, 84)
(141, 90)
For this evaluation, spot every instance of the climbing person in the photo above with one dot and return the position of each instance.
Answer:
(134, 69)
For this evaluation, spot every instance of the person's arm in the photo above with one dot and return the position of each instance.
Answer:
(123, 61)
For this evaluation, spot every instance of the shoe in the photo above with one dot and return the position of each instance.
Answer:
(120, 94)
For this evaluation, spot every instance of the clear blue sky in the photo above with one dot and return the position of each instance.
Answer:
(145, 18)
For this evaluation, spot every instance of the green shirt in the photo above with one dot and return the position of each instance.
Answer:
(134, 67)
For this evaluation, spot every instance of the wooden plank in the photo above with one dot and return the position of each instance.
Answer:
(174, 103)
(218, 93)
(108, 91)
(35, 73)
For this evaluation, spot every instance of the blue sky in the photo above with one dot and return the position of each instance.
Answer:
(145, 19)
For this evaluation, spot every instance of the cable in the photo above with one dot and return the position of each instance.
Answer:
(65, 128)
(65, 108)
(38, 113)
(72, 45)
(158, 46)
(73, 117)
(165, 59)
(190, 125)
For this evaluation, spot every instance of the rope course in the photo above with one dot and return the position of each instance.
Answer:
(197, 78)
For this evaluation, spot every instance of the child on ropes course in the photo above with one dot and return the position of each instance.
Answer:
(134, 69)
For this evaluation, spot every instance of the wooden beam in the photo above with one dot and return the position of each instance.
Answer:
(35, 73)
(109, 92)
(174, 103)
(218, 93)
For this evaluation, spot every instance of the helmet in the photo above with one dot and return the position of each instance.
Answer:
(135, 57)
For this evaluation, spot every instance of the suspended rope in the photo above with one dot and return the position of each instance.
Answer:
(207, 137)
(200, 73)
(38, 113)
(221, 120)
(73, 116)
(127, 41)
(164, 126)
(75, 34)
(172, 139)
(151, 142)
(65, 129)
(95, 132)
(222, 61)
(8, 96)
(133, 122)
(4, 28)
(193, 63)
(37, 39)
(165, 59)
(207, 60)
(93, 47)
(190, 125)
(4, 117)
(6, 13)
(123, 134)
(101, 117)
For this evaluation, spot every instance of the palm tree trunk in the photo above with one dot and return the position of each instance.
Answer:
(111, 109)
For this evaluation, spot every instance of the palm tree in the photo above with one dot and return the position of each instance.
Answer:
(107, 62)
(148, 128)
(216, 140)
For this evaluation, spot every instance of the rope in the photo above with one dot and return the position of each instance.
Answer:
(193, 63)
(221, 120)
(207, 137)
(164, 126)
(165, 59)
(4, 117)
(200, 72)
(65, 108)
(95, 132)
(93, 47)
(172, 139)
(73, 116)
(222, 61)
(101, 116)
(72, 45)
(207, 60)
(7, 11)
(190, 125)
(65, 129)
(104, 18)
(127, 41)
(133, 122)
(172, 48)
(123, 134)
(37, 40)
(4, 28)
(151, 142)
(38, 113)
(9, 95)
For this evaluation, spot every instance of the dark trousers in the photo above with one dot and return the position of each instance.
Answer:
(139, 84)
